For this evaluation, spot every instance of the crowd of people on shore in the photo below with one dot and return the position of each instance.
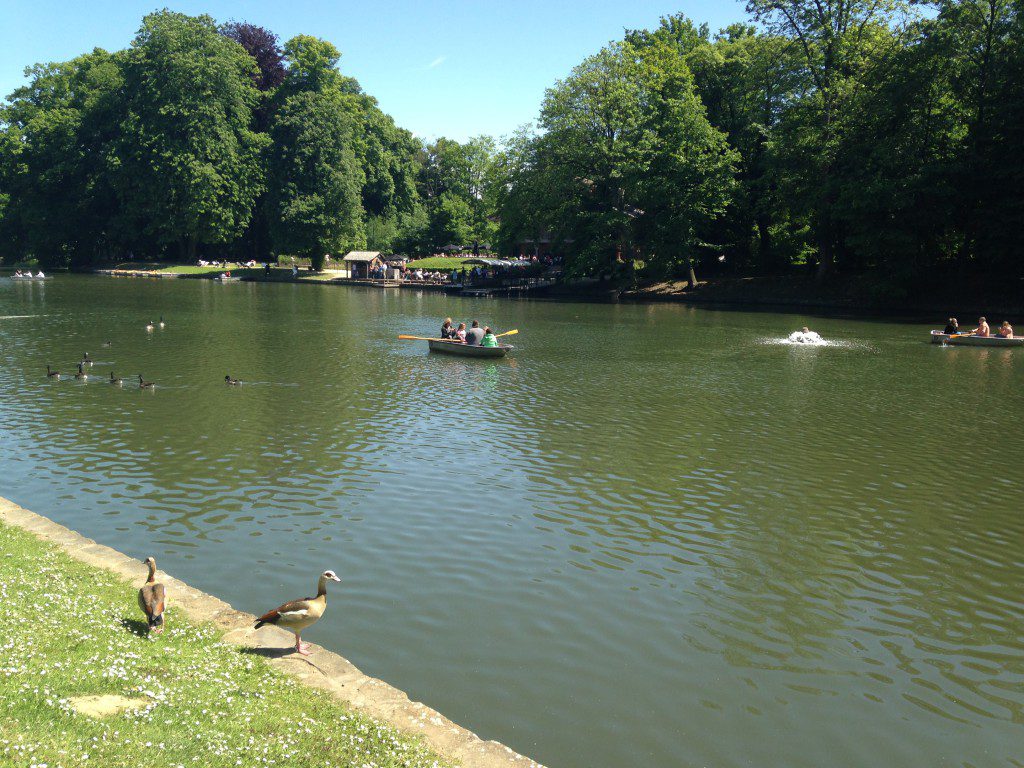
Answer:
(1005, 331)
(474, 335)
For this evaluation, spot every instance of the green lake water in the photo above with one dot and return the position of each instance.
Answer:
(654, 536)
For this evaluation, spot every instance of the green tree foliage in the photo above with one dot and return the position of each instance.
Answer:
(314, 195)
(187, 169)
(626, 164)
(56, 137)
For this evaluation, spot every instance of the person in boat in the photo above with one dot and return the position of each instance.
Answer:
(460, 333)
(1005, 330)
(447, 331)
(489, 339)
(475, 334)
(39, 275)
(982, 329)
(951, 327)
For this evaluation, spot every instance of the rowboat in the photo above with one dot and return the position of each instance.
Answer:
(968, 340)
(232, 279)
(467, 350)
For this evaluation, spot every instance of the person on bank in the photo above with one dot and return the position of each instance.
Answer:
(951, 327)
(447, 331)
(475, 334)
(982, 329)
(1005, 330)
(489, 339)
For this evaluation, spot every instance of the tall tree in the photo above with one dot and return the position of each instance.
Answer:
(839, 42)
(188, 168)
(315, 179)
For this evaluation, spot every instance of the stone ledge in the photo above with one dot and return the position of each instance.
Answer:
(322, 669)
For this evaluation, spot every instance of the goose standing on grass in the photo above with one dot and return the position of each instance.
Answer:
(152, 598)
(116, 379)
(299, 615)
(146, 384)
(52, 374)
(229, 380)
(81, 374)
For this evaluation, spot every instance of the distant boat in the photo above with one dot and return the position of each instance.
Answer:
(969, 340)
(33, 277)
(467, 350)
(228, 279)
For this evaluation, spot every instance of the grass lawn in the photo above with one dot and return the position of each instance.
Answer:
(439, 262)
(69, 630)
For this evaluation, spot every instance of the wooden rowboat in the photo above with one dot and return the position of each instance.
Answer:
(967, 340)
(467, 350)
(232, 279)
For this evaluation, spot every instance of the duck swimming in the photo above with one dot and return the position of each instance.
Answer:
(81, 374)
(146, 384)
(115, 379)
(52, 374)
(229, 380)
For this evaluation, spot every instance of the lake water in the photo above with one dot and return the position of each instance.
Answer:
(653, 536)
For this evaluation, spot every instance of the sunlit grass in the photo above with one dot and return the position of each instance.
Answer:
(68, 630)
(439, 262)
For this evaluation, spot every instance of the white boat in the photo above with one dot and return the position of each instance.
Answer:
(33, 277)
(970, 340)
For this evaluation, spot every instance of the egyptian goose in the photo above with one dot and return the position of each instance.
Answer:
(299, 615)
(52, 374)
(146, 384)
(229, 380)
(152, 598)
(81, 374)
(115, 379)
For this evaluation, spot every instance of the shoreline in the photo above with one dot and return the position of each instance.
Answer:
(793, 294)
(322, 670)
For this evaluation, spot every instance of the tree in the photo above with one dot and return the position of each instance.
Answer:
(839, 41)
(55, 140)
(187, 168)
(262, 45)
(314, 197)
(626, 162)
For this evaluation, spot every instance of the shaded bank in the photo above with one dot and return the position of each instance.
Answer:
(856, 295)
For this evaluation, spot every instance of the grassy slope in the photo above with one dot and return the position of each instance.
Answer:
(210, 704)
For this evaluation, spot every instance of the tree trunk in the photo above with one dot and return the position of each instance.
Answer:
(692, 276)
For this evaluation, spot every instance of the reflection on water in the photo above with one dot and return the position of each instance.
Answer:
(725, 551)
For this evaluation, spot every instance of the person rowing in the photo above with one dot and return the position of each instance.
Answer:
(447, 330)
(982, 329)
(952, 327)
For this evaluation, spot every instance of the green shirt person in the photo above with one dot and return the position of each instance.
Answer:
(489, 339)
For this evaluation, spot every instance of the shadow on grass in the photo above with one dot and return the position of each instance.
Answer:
(135, 626)
(269, 653)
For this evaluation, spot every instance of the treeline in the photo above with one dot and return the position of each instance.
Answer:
(850, 137)
(206, 139)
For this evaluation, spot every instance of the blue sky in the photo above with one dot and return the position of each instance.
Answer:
(452, 68)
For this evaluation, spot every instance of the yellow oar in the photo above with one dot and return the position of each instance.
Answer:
(420, 338)
(508, 333)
